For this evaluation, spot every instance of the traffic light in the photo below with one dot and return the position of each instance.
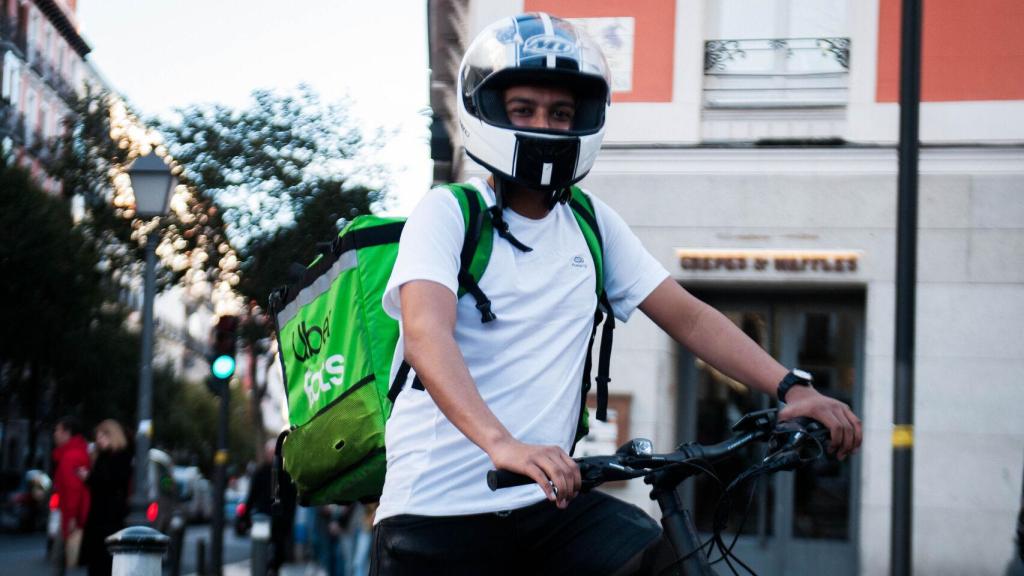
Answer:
(222, 353)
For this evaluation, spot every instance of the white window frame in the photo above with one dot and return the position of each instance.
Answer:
(732, 79)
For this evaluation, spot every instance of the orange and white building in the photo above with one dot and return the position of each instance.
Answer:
(43, 68)
(752, 147)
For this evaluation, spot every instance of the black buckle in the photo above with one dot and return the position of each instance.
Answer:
(485, 311)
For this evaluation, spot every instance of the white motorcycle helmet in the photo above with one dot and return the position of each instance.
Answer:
(533, 49)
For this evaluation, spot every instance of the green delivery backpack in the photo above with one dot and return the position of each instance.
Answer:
(336, 346)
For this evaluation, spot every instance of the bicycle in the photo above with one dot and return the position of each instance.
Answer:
(791, 444)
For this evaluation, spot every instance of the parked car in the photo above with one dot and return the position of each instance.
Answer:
(23, 500)
(235, 510)
(162, 500)
(52, 523)
(195, 496)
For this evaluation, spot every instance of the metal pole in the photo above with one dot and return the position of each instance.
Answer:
(906, 279)
(140, 488)
(220, 461)
(201, 557)
(177, 536)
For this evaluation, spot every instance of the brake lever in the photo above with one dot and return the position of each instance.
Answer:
(782, 460)
(797, 437)
(762, 420)
(593, 474)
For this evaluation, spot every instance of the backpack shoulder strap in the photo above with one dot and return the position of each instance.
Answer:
(473, 258)
(476, 245)
(583, 209)
(586, 216)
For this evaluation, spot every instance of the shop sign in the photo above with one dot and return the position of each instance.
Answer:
(784, 261)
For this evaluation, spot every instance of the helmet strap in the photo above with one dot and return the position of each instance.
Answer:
(496, 211)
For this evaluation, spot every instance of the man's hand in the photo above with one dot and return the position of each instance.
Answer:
(843, 425)
(549, 466)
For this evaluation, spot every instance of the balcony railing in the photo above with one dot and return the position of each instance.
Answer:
(776, 72)
(12, 123)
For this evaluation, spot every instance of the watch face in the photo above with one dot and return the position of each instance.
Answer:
(802, 374)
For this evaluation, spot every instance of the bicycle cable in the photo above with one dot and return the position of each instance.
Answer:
(727, 552)
(721, 519)
(708, 471)
(772, 463)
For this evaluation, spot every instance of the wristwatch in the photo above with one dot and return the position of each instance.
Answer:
(796, 377)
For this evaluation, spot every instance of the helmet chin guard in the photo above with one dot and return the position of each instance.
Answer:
(537, 50)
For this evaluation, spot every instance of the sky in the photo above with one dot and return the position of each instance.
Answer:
(165, 54)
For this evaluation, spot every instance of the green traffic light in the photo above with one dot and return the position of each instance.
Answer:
(223, 367)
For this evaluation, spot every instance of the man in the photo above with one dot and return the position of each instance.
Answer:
(506, 393)
(71, 467)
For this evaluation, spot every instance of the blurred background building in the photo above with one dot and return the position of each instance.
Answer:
(751, 146)
(44, 69)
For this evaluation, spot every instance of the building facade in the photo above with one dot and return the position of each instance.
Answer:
(43, 68)
(752, 147)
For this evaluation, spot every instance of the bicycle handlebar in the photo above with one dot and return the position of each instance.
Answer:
(791, 444)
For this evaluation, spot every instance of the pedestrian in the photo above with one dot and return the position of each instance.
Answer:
(326, 536)
(260, 500)
(505, 392)
(108, 483)
(71, 467)
(362, 535)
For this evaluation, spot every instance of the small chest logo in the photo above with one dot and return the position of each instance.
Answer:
(579, 262)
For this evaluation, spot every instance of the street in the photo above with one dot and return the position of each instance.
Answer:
(25, 554)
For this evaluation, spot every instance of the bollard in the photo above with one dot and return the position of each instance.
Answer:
(177, 530)
(260, 544)
(137, 551)
(201, 557)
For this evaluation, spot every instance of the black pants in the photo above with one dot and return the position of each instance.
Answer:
(596, 534)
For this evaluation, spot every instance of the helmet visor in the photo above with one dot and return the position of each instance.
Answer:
(535, 49)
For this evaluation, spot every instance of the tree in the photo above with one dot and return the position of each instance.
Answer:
(66, 347)
(262, 185)
(102, 137)
(185, 422)
(286, 173)
(319, 219)
(63, 347)
(265, 164)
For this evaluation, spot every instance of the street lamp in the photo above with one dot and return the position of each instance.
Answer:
(152, 183)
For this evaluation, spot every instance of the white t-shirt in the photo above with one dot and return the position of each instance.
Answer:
(527, 364)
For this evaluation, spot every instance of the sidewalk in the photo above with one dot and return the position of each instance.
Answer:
(243, 568)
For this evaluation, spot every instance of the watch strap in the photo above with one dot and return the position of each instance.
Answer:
(793, 378)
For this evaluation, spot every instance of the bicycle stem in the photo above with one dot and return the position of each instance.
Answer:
(678, 528)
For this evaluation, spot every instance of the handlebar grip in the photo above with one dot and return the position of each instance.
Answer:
(504, 479)
(786, 435)
(814, 428)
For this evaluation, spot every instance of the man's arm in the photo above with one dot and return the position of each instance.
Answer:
(715, 339)
(428, 322)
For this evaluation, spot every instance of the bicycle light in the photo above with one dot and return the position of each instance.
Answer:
(636, 447)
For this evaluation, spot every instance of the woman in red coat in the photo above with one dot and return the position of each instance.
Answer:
(71, 458)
